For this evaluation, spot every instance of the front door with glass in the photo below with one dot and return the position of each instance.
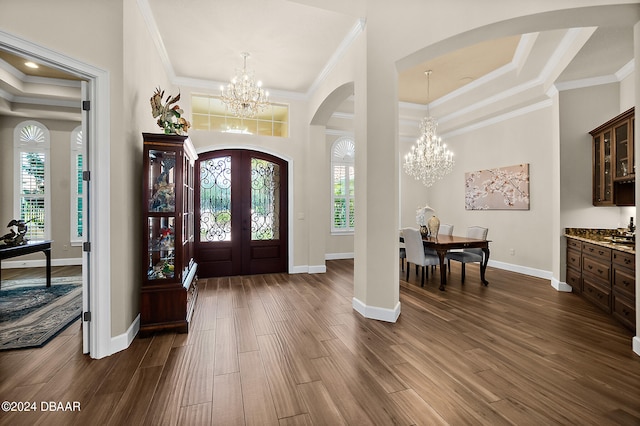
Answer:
(241, 212)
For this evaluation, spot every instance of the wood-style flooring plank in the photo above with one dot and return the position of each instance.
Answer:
(256, 394)
(158, 350)
(134, 404)
(246, 334)
(322, 409)
(194, 415)
(227, 408)
(225, 354)
(284, 392)
(164, 408)
(198, 387)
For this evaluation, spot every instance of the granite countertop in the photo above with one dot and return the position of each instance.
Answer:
(601, 237)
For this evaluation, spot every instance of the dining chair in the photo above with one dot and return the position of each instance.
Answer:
(444, 229)
(470, 255)
(415, 253)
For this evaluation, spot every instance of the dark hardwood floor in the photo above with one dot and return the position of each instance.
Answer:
(289, 349)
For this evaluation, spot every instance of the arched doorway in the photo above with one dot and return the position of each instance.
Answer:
(242, 213)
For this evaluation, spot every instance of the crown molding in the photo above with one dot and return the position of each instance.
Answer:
(356, 30)
(147, 15)
(499, 118)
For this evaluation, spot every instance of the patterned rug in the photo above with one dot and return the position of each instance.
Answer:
(32, 314)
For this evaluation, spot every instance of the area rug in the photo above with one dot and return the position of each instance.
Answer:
(32, 314)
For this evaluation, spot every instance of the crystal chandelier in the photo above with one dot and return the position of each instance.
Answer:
(244, 96)
(429, 159)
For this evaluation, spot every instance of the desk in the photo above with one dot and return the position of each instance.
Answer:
(443, 243)
(7, 252)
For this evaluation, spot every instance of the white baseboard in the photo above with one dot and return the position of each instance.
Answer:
(338, 256)
(636, 345)
(319, 269)
(309, 269)
(373, 312)
(561, 286)
(12, 264)
(122, 342)
(521, 269)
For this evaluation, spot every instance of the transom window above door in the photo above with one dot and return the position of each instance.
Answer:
(209, 113)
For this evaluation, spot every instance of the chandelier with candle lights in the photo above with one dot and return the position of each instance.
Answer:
(244, 96)
(429, 159)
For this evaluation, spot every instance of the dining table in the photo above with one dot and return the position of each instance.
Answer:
(443, 243)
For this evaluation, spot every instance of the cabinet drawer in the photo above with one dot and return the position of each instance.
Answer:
(574, 280)
(597, 294)
(624, 282)
(574, 244)
(596, 251)
(625, 312)
(598, 269)
(624, 259)
(574, 259)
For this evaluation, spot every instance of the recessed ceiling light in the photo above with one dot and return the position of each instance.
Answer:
(31, 64)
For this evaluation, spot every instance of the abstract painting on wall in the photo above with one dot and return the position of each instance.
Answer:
(503, 188)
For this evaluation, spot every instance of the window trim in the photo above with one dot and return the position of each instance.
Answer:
(27, 147)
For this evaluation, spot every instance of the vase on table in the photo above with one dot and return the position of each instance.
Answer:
(434, 226)
(424, 231)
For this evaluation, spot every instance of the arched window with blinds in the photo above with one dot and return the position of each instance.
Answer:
(32, 182)
(343, 185)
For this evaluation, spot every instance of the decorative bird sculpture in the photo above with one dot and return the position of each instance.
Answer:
(16, 234)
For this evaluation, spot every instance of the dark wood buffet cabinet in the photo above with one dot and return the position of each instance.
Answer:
(613, 161)
(604, 276)
(169, 283)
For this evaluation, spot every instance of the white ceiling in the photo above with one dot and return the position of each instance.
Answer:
(293, 44)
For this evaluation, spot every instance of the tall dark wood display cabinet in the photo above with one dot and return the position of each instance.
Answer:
(169, 285)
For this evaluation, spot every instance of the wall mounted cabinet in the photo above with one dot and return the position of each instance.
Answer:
(614, 162)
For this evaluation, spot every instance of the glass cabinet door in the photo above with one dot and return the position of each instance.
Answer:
(162, 248)
(162, 181)
(623, 165)
(624, 151)
(602, 169)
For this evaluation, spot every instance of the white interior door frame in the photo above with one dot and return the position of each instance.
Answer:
(98, 125)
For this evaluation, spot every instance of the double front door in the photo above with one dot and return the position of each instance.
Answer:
(241, 209)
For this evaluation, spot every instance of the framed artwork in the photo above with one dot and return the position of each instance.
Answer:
(503, 188)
